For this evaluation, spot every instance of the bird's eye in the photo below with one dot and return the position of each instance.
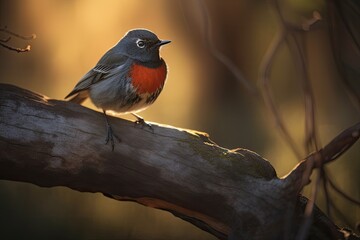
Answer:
(140, 43)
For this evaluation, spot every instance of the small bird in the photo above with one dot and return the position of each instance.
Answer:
(127, 79)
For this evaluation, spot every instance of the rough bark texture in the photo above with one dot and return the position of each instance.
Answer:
(231, 194)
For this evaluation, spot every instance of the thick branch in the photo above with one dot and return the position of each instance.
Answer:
(227, 193)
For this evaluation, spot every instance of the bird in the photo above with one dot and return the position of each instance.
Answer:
(127, 79)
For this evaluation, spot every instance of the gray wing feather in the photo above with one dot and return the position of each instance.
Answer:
(108, 65)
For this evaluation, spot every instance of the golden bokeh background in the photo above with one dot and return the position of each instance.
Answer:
(201, 93)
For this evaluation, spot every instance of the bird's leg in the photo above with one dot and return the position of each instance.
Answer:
(110, 133)
(140, 120)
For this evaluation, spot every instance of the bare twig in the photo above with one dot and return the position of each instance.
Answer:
(310, 22)
(5, 39)
(342, 193)
(230, 65)
(338, 22)
(24, 37)
(347, 26)
(264, 75)
(340, 214)
(307, 219)
(326, 191)
(15, 48)
(311, 140)
(298, 52)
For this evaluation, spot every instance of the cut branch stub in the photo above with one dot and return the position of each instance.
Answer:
(300, 175)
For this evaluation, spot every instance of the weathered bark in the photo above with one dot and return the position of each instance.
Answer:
(229, 193)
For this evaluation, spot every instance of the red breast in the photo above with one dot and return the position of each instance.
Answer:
(146, 79)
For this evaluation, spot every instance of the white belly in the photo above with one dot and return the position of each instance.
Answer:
(118, 97)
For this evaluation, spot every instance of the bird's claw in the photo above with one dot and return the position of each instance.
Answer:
(141, 121)
(143, 124)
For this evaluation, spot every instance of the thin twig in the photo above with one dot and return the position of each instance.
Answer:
(15, 48)
(5, 39)
(326, 191)
(264, 76)
(298, 51)
(339, 213)
(346, 23)
(307, 220)
(333, 12)
(342, 193)
(230, 65)
(311, 140)
(264, 70)
(308, 23)
(24, 37)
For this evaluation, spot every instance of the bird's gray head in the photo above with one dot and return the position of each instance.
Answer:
(141, 44)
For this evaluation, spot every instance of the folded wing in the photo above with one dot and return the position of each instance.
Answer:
(105, 68)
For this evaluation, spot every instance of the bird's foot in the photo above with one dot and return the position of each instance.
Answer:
(141, 121)
(110, 137)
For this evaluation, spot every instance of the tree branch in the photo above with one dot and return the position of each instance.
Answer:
(23, 37)
(229, 193)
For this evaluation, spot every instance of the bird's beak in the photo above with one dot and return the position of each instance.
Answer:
(163, 42)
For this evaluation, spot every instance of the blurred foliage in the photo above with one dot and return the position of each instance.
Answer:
(201, 93)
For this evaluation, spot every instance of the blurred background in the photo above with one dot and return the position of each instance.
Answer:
(201, 93)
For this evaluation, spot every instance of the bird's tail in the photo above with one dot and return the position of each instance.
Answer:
(79, 97)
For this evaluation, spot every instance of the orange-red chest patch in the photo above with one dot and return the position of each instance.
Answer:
(148, 80)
